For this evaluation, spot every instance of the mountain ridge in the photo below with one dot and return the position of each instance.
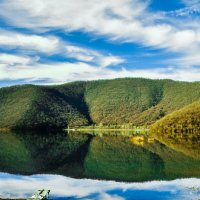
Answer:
(134, 101)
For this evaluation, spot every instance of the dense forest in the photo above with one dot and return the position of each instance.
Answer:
(180, 129)
(127, 101)
(38, 107)
(184, 120)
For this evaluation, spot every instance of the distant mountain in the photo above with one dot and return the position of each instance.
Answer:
(135, 101)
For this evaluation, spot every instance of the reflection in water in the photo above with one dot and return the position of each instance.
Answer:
(186, 142)
(68, 188)
(119, 159)
(29, 153)
(136, 158)
(138, 140)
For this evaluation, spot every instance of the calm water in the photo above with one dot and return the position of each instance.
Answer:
(85, 166)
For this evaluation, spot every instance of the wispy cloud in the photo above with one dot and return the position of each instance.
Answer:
(8, 59)
(121, 21)
(26, 63)
(81, 53)
(28, 42)
(56, 73)
(87, 55)
(127, 20)
(191, 2)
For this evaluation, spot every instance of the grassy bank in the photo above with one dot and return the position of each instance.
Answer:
(101, 130)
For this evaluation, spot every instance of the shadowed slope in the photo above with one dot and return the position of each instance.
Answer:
(37, 107)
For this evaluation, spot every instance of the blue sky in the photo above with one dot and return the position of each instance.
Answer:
(58, 41)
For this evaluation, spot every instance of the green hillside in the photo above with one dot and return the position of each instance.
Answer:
(185, 120)
(137, 101)
(134, 101)
(37, 107)
(181, 129)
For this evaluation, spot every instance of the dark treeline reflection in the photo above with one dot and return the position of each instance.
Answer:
(121, 158)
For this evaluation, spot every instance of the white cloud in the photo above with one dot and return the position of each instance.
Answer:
(124, 20)
(187, 61)
(191, 2)
(128, 19)
(15, 59)
(111, 60)
(48, 45)
(191, 8)
(88, 55)
(58, 72)
(119, 19)
(65, 71)
(29, 42)
(69, 14)
(184, 12)
(81, 53)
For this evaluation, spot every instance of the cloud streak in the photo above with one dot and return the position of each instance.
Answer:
(120, 21)
(28, 42)
(56, 73)
(126, 20)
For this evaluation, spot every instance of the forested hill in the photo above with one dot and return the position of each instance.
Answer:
(185, 120)
(134, 101)
(180, 130)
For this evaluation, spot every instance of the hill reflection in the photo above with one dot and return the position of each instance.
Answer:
(122, 158)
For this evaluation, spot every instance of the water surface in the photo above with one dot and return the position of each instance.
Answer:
(152, 168)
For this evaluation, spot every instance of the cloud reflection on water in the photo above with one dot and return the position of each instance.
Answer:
(23, 186)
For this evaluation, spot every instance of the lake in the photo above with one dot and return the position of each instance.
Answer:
(99, 166)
